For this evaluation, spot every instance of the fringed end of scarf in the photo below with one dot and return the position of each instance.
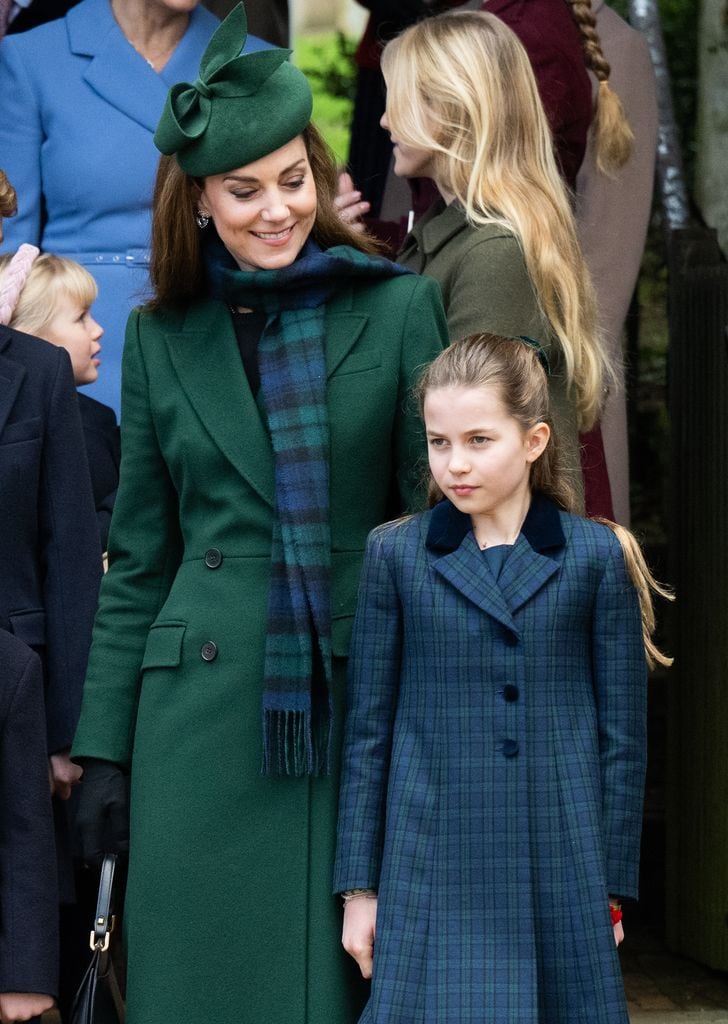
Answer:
(293, 745)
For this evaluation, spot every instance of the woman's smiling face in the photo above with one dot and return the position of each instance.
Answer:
(264, 212)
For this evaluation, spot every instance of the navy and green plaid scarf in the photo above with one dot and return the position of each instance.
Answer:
(297, 705)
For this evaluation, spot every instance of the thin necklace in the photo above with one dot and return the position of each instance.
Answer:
(161, 58)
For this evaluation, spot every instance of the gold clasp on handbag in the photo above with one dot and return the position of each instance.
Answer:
(102, 944)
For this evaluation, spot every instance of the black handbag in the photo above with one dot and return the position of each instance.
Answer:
(98, 1000)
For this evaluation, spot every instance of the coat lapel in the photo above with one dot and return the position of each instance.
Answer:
(466, 570)
(11, 377)
(207, 362)
(120, 75)
(343, 330)
(536, 556)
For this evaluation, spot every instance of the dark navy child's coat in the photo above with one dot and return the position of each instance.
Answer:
(28, 882)
(493, 770)
(50, 564)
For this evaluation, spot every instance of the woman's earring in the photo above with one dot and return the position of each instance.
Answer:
(202, 220)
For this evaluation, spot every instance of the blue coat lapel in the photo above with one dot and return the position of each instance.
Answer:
(535, 558)
(11, 377)
(118, 73)
(536, 555)
(466, 570)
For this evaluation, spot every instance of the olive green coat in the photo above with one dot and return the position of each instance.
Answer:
(229, 914)
(486, 287)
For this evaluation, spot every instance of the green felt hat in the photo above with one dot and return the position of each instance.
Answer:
(242, 106)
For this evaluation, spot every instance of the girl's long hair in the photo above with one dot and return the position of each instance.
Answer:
(460, 85)
(177, 269)
(513, 368)
(612, 132)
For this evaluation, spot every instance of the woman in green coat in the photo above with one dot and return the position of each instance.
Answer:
(266, 429)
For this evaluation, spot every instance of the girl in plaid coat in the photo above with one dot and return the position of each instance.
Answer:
(495, 745)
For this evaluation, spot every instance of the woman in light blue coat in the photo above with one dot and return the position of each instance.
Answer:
(81, 97)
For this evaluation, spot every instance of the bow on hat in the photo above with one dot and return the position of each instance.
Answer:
(225, 73)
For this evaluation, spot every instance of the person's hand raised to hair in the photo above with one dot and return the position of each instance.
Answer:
(102, 817)
(349, 203)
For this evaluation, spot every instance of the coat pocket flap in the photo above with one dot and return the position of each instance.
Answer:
(22, 430)
(29, 626)
(164, 646)
(341, 635)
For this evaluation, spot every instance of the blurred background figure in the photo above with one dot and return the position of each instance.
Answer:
(613, 214)
(269, 19)
(81, 98)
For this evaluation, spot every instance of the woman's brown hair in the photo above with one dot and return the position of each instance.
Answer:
(8, 199)
(177, 270)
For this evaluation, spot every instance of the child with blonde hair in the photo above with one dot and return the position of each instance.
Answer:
(495, 747)
(50, 297)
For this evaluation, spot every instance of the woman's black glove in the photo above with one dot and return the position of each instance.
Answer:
(102, 816)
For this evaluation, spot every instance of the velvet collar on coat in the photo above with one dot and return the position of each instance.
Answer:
(535, 558)
(541, 527)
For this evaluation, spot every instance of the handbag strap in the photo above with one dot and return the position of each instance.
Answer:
(104, 922)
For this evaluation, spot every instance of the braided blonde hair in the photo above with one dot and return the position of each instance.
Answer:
(612, 132)
(460, 86)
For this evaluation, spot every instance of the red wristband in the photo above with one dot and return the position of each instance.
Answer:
(616, 911)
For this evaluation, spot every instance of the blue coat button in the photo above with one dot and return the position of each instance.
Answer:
(510, 748)
(213, 558)
(209, 651)
(510, 693)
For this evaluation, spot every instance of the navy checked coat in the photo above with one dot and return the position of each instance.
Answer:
(493, 770)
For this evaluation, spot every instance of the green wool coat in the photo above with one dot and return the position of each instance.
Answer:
(486, 287)
(229, 912)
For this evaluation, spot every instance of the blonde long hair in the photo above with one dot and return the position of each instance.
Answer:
(50, 277)
(513, 367)
(460, 85)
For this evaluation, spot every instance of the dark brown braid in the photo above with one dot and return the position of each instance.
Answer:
(613, 134)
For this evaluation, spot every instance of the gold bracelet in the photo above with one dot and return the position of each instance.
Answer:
(354, 894)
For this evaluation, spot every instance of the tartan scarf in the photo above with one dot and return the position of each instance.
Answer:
(297, 704)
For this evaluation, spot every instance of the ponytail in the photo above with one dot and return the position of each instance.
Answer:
(614, 137)
(646, 585)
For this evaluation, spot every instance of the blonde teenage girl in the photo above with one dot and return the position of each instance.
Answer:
(494, 751)
(463, 108)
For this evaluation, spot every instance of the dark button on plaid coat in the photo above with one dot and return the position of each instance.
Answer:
(494, 829)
